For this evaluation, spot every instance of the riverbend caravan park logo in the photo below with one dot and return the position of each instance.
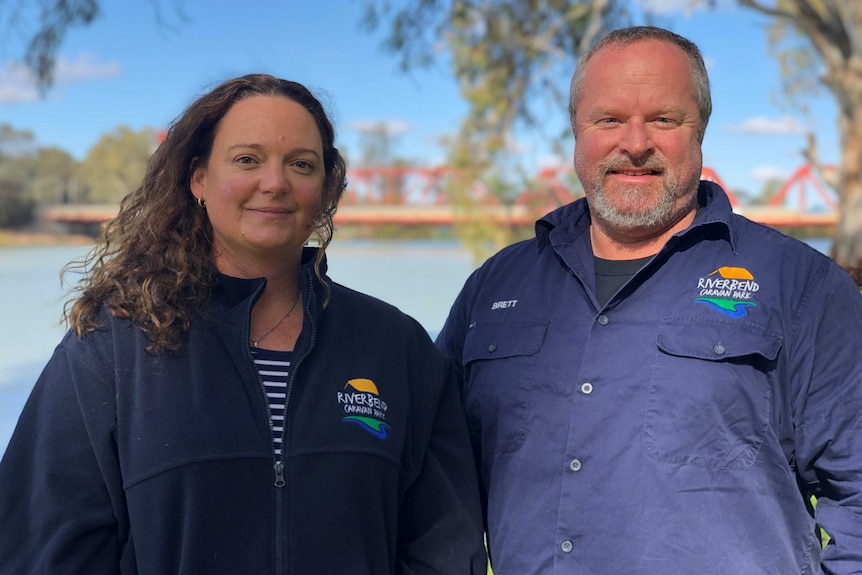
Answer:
(728, 290)
(363, 406)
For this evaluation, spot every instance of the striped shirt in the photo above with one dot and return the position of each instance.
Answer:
(274, 370)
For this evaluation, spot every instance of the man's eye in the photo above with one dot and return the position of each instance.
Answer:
(244, 160)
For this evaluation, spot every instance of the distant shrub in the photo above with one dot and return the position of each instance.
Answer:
(16, 210)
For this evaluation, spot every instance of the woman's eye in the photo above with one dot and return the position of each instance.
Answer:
(244, 160)
(304, 165)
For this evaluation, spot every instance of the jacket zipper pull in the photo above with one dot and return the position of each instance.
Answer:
(279, 474)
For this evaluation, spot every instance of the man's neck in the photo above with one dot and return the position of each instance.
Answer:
(613, 246)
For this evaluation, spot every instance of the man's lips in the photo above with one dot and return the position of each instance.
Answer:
(635, 172)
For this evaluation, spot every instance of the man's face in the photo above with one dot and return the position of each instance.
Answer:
(637, 152)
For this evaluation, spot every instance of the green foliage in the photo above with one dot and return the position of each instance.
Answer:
(16, 210)
(32, 176)
(816, 44)
(53, 177)
(115, 166)
(14, 142)
(509, 56)
(513, 60)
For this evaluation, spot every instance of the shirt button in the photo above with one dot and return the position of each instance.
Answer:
(566, 546)
(575, 465)
(472, 325)
(492, 347)
(586, 388)
(603, 320)
(718, 349)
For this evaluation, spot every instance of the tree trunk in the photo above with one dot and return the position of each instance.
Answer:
(846, 84)
(847, 246)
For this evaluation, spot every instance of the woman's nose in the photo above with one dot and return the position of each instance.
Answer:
(274, 179)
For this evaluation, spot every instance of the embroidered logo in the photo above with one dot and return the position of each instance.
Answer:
(364, 407)
(504, 304)
(728, 290)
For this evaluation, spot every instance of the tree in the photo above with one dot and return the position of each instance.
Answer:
(116, 165)
(507, 53)
(833, 29)
(508, 57)
(503, 51)
(55, 18)
(377, 144)
(31, 175)
(53, 177)
(16, 148)
(16, 210)
(15, 142)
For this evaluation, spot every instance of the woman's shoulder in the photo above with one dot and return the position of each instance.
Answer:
(377, 318)
(108, 336)
(366, 304)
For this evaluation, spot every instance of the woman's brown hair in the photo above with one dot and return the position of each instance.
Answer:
(152, 264)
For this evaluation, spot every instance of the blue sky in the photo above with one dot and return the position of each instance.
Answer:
(129, 69)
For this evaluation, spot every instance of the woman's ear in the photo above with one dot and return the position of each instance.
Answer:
(197, 179)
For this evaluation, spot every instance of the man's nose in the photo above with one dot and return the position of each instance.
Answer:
(635, 140)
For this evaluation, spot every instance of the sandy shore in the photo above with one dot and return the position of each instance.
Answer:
(18, 238)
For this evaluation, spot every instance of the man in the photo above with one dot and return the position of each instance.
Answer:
(654, 384)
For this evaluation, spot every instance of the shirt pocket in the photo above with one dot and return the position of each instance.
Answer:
(499, 360)
(711, 392)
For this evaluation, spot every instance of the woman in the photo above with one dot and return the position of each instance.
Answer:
(221, 406)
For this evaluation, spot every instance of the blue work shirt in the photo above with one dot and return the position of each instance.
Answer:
(679, 429)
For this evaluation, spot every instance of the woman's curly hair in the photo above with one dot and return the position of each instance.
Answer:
(152, 264)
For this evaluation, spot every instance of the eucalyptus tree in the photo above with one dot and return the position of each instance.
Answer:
(818, 44)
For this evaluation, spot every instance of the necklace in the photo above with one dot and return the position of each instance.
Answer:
(254, 342)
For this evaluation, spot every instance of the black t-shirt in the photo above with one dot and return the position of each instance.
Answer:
(611, 275)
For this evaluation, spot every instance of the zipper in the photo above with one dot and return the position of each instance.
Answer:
(278, 464)
(279, 474)
(278, 469)
(279, 516)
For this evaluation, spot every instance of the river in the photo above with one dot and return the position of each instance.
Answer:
(422, 278)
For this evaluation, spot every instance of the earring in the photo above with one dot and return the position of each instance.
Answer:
(202, 203)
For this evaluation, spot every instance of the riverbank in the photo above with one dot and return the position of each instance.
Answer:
(30, 238)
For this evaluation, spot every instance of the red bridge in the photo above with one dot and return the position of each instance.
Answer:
(420, 196)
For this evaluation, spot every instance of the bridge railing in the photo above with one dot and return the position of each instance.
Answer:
(421, 196)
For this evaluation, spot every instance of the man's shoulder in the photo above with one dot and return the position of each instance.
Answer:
(785, 258)
(512, 259)
(761, 239)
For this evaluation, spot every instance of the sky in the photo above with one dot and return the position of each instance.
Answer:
(143, 61)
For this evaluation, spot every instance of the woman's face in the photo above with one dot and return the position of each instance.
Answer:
(263, 182)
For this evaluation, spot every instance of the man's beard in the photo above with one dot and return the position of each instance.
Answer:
(645, 211)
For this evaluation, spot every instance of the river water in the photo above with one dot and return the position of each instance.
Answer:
(422, 278)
